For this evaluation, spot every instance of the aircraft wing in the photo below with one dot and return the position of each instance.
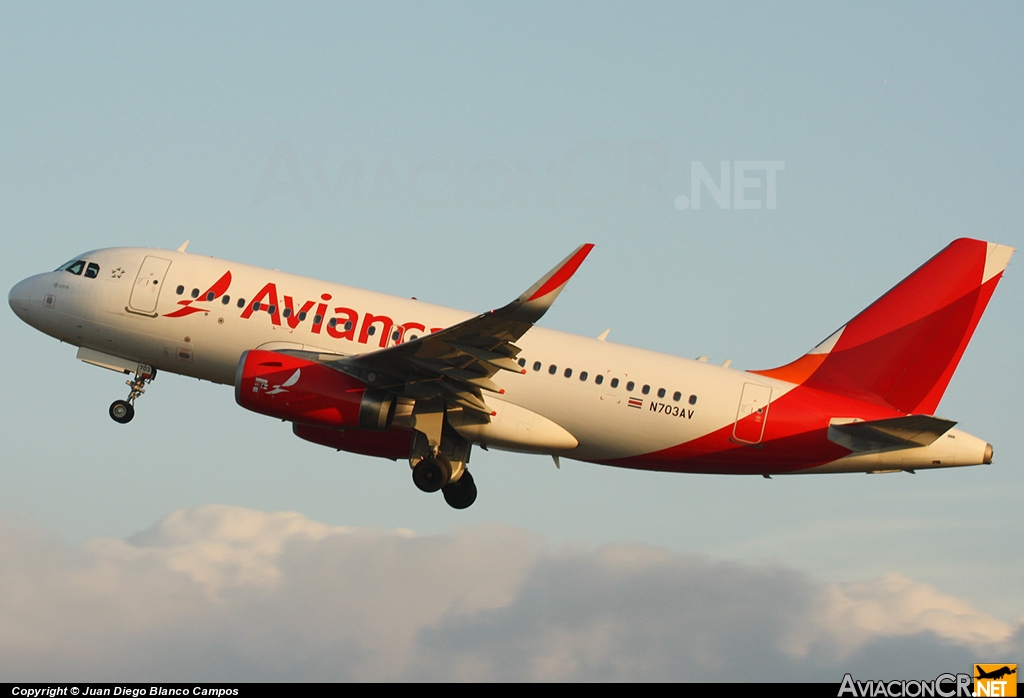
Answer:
(458, 362)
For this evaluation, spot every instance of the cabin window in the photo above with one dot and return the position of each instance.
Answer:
(287, 312)
(661, 392)
(241, 302)
(225, 300)
(599, 379)
(195, 293)
(552, 369)
(615, 382)
(372, 331)
(256, 307)
(568, 373)
(180, 290)
(583, 375)
(536, 365)
(302, 315)
(333, 322)
(646, 389)
(210, 295)
(630, 385)
(522, 363)
(317, 319)
(677, 396)
(395, 335)
(693, 399)
(272, 309)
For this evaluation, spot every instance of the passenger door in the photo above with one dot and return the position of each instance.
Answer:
(146, 291)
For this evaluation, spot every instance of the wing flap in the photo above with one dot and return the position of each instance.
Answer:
(499, 361)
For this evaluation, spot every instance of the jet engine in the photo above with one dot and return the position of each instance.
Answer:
(306, 392)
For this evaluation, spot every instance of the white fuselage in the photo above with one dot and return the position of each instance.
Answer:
(149, 306)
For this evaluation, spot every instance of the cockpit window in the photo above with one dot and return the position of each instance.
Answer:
(92, 271)
(75, 267)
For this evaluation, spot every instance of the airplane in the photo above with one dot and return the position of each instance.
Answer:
(398, 378)
(996, 673)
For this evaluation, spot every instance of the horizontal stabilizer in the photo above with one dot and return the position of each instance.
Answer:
(905, 432)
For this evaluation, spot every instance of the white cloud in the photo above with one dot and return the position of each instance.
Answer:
(227, 593)
(897, 606)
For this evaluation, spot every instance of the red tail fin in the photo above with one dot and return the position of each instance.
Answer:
(904, 347)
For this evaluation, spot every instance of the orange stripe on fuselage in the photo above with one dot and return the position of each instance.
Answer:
(796, 371)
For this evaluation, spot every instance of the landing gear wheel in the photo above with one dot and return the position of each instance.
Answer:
(121, 411)
(462, 493)
(431, 474)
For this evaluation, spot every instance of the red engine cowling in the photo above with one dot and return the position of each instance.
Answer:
(302, 391)
(394, 443)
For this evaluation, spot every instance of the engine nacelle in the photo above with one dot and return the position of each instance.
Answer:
(394, 443)
(298, 390)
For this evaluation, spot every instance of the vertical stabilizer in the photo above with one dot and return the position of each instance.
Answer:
(902, 350)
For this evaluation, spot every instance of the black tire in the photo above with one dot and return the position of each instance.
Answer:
(122, 411)
(431, 474)
(462, 493)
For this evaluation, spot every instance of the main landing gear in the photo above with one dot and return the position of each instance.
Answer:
(438, 458)
(434, 473)
(123, 411)
(439, 454)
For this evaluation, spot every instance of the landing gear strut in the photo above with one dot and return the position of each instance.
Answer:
(122, 411)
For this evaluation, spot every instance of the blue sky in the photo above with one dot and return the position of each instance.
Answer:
(455, 151)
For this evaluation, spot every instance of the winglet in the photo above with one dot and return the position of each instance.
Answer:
(543, 293)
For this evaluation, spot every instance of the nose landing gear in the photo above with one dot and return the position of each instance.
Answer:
(123, 411)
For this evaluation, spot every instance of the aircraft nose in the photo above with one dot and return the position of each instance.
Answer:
(20, 297)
